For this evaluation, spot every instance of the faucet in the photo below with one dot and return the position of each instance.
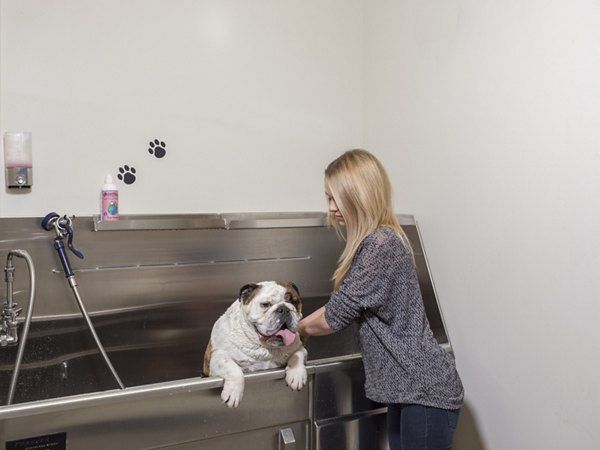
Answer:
(10, 312)
(10, 309)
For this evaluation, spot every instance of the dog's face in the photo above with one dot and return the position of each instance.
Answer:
(274, 310)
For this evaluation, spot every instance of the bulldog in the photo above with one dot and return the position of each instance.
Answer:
(258, 331)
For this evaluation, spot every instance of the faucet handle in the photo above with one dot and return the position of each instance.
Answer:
(11, 313)
(49, 220)
(63, 228)
(70, 242)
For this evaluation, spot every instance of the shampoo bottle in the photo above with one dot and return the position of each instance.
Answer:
(110, 200)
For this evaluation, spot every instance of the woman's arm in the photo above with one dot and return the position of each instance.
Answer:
(315, 324)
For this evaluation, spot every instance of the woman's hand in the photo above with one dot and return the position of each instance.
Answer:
(314, 325)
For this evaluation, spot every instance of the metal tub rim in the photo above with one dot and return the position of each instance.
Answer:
(188, 385)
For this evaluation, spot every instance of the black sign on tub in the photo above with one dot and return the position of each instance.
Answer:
(56, 441)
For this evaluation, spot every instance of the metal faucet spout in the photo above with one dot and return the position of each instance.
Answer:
(11, 311)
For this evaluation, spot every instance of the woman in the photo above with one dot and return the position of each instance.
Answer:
(375, 285)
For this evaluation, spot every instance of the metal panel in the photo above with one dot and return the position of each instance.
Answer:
(124, 269)
(359, 432)
(341, 393)
(263, 439)
(164, 415)
(160, 222)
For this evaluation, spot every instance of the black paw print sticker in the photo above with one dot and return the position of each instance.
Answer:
(157, 148)
(127, 174)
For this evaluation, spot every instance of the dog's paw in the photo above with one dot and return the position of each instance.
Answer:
(296, 377)
(232, 393)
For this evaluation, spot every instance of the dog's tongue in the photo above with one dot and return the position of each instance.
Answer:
(288, 336)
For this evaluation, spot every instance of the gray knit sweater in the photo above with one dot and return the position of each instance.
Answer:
(403, 362)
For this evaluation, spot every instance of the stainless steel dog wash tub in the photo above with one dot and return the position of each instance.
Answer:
(153, 287)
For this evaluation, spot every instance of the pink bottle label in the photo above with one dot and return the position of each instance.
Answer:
(110, 205)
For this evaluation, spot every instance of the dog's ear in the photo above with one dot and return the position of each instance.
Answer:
(246, 291)
(294, 286)
(293, 295)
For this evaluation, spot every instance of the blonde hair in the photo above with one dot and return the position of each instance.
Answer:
(362, 191)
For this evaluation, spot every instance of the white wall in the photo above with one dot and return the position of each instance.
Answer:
(488, 115)
(252, 99)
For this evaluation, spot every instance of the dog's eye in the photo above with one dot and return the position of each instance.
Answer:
(265, 304)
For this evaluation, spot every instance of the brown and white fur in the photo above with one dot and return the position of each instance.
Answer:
(258, 331)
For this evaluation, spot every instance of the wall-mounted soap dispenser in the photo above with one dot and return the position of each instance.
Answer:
(17, 159)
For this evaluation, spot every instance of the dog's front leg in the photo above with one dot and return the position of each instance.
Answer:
(295, 371)
(221, 365)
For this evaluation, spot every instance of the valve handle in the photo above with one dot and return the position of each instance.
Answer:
(53, 220)
(70, 242)
(48, 221)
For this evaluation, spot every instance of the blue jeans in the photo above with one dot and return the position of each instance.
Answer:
(416, 427)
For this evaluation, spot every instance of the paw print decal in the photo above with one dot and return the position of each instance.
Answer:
(126, 174)
(157, 148)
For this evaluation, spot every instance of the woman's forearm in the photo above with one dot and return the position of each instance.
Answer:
(315, 324)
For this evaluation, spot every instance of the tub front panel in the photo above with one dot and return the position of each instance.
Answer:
(188, 416)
